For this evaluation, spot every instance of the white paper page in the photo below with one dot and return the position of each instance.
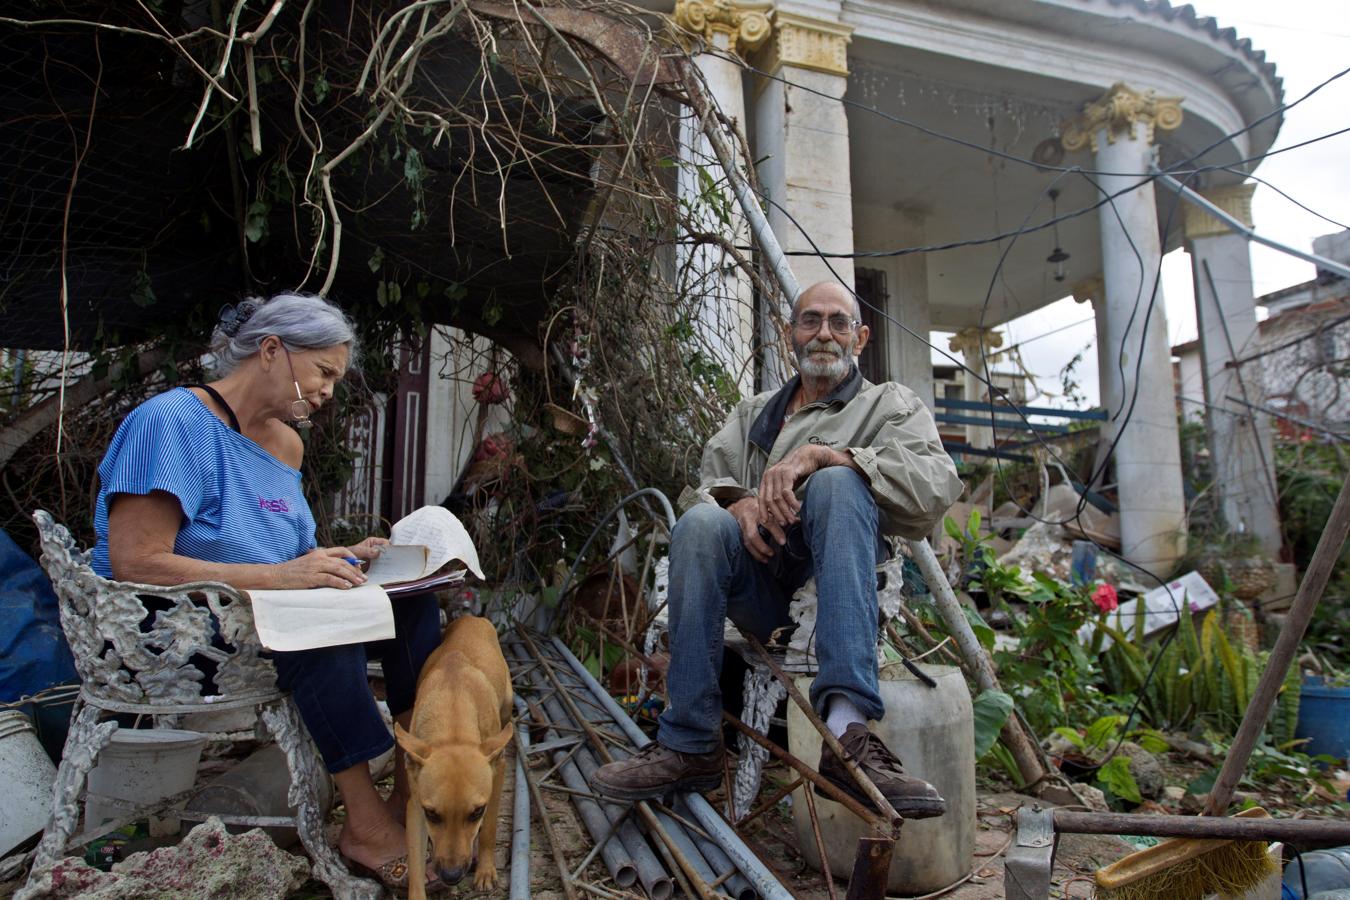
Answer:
(399, 562)
(322, 617)
(436, 528)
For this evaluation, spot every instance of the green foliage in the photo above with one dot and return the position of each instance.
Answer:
(992, 709)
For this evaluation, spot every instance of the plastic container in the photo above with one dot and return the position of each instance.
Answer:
(256, 786)
(143, 765)
(28, 775)
(932, 730)
(1324, 716)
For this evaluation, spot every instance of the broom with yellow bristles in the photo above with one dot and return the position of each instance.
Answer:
(1191, 868)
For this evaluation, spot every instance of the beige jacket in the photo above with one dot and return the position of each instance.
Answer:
(885, 427)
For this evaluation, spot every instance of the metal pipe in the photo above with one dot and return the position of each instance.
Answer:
(705, 855)
(1241, 228)
(615, 855)
(737, 885)
(568, 888)
(1295, 831)
(655, 880)
(1019, 743)
(761, 879)
(1281, 657)
(520, 822)
(680, 867)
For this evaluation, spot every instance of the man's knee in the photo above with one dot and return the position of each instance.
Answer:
(837, 485)
(704, 525)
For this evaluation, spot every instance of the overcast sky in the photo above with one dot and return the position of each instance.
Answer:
(1308, 41)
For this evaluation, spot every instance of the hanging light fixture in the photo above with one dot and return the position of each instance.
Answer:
(1057, 258)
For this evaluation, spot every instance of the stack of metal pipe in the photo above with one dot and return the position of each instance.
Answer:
(676, 847)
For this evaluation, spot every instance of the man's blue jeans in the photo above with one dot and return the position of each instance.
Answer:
(713, 577)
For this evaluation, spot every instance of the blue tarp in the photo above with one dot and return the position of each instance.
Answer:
(33, 651)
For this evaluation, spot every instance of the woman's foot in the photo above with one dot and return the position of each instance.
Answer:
(381, 849)
(397, 805)
(373, 843)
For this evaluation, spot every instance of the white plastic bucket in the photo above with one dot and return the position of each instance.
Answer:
(932, 731)
(28, 775)
(143, 765)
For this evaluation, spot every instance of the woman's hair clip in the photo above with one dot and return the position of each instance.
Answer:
(234, 315)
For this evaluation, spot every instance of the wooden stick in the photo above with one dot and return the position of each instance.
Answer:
(1286, 648)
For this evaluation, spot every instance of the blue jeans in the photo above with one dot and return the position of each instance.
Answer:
(330, 686)
(713, 577)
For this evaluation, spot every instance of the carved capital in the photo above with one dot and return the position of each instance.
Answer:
(974, 343)
(1235, 199)
(746, 26)
(1089, 289)
(808, 44)
(1117, 112)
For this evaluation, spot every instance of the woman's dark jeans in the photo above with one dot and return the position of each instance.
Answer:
(331, 689)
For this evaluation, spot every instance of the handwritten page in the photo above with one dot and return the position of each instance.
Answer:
(399, 562)
(303, 620)
(444, 536)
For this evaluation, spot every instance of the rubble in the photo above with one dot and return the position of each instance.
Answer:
(208, 862)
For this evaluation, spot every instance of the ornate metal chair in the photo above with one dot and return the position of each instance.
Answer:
(129, 666)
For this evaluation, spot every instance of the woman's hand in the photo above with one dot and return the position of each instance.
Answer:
(369, 549)
(321, 567)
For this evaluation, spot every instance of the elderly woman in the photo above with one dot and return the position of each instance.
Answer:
(202, 483)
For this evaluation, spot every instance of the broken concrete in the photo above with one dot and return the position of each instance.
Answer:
(208, 862)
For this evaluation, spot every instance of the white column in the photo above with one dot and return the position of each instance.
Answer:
(801, 138)
(1134, 328)
(707, 271)
(911, 359)
(978, 349)
(1225, 310)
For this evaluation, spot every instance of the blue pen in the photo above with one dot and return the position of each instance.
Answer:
(353, 560)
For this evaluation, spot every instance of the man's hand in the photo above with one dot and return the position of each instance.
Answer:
(746, 513)
(778, 503)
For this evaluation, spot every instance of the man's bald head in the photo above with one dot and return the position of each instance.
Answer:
(832, 290)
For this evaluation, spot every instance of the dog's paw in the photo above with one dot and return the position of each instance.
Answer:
(485, 878)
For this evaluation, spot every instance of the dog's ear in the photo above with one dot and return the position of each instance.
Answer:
(417, 749)
(493, 746)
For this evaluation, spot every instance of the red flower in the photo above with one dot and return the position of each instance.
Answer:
(489, 388)
(1105, 598)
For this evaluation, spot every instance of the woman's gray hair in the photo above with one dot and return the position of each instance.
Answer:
(302, 321)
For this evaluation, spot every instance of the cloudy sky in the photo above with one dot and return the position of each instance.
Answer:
(1309, 41)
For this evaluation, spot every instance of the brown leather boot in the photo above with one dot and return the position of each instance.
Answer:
(912, 797)
(655, 772)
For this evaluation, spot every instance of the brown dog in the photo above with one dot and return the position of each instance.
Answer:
(460, 726)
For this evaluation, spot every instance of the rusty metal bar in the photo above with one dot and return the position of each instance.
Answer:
(871, 869)
(1218, 827)
(810, 774)
(820, 843)
(886, 810)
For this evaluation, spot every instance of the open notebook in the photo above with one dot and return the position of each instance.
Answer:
(429, 549)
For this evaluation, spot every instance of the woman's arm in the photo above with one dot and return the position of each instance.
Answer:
(142, 529)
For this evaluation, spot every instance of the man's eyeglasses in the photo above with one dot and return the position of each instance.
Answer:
(839, 323)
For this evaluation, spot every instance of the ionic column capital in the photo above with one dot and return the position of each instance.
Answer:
(1117, 111)
(975, 342)
(807, 43)
(1089, 289)
(1235, 199)
(746, 25)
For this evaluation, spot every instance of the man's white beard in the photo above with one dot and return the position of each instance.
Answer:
(811, 367)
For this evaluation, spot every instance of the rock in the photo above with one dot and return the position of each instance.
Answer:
(1145, 769)
(1174, 793)
(1091, 797)
(208, 862)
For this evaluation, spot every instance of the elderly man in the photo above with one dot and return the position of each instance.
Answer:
(806, 481)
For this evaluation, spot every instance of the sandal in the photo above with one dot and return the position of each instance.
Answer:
(392, 874)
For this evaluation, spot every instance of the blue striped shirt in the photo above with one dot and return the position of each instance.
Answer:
(240, 503)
